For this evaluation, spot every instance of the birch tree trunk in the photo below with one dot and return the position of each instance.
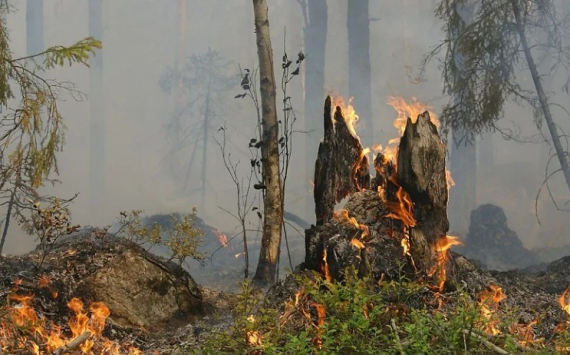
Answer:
(273, 198)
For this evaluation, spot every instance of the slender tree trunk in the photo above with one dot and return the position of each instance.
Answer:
(8, 217)
(561, 154)
(272, 203)
(359, 72)
(180, 61)
(315, 42)
(205, 127)
(34, 26)
(97, 119)
(463, 162)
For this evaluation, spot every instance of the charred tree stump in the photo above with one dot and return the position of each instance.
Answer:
(341, 167)
(397, 218)
(421, 172)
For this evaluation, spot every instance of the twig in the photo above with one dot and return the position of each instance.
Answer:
(486, 342)
(74, 344)
(398, 341)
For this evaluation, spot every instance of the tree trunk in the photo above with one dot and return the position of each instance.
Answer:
(34, 26)
(97, 119)
(205, 130)
(273, 198)
(359, 72)
(463, 161)
(560, 153)
(315, 42)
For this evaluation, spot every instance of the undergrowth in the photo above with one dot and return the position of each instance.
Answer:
(361, 316)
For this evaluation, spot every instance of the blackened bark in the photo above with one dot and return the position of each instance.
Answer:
(341, 167)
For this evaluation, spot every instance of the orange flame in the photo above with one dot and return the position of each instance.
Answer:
(441, 251)
(325, 267)
(44, 337)
(350, 116)
(222, 238)
(488, 300)
(357, 243)
(562, 300)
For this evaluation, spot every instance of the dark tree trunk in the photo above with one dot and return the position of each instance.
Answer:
(315, 41)
(34, 26)
(359, 72)
(97, 119)
(463, 161)
(463, 196)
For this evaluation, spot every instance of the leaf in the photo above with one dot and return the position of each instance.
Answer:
(258, 144)
(245, 87)
(259, 186)
(240, 96)
(259, 215)
(255, 209)
(296, 72)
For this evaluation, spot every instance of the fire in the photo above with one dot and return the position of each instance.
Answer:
(562, 300)
(488, 300)
(410, 109)
(23, 328)
(441, 251)
(222, 238)
(357, 243)
(350, 116)
(325, 267)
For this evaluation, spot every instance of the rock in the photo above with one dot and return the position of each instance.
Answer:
(491, 242)
(139, 288)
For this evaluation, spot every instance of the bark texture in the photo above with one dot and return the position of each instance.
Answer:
(273, 197)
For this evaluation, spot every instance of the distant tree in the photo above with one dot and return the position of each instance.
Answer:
(500, 47)
(315, 15)
(271, 179)
(359, 70)
(97, 118)
(463, 160)
(31, 125)
(203, 86)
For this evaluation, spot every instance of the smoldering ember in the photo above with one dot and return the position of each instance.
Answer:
(346, 177)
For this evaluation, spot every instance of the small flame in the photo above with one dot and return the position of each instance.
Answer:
(357, 243)
(441, 251)
(222, 238)
(562, 300)
(325, 267)
(350, 116)
(488, 300)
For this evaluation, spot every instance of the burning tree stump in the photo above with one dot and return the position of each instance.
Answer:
(396, 220)
(341, 167)
(421, 173)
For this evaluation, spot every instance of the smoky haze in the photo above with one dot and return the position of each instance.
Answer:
(141, 40)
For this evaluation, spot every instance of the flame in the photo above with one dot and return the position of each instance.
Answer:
(410, 109)
(525, 333)
(350, 116)
(562, 300)
(488, 300)
(239, 254)
(357, 243)
(441, 252)
(222, 238)
(24, 329)
(325, 267)
(449, 180)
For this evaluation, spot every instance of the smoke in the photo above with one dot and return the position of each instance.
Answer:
(140, 46)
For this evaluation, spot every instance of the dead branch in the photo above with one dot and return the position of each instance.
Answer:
(74, 344)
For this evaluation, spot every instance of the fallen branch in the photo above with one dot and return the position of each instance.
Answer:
(487, 343)
(74, 344)
(398, 341)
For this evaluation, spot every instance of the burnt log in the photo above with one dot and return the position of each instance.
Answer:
(341, 167)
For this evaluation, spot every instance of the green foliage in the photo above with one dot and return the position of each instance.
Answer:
(357, 316)
(182, 240)
(483, 58)
(32, 128)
